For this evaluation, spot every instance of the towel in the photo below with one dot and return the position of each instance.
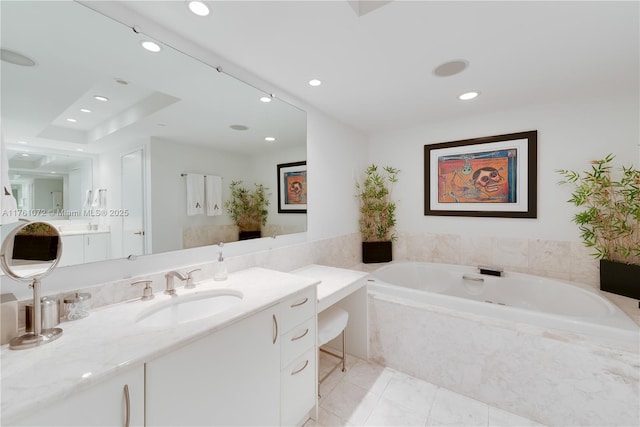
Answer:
(195, 194)
(213, 196)
(88, 200)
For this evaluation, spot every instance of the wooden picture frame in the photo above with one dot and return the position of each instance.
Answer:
(494, 176)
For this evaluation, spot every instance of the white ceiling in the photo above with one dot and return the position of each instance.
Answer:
(377, 66)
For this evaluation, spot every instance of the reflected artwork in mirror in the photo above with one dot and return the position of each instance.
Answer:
(100, 134)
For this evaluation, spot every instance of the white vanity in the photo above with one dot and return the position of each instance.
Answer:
(252, 364)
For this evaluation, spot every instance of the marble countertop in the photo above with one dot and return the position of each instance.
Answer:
(108, 340)
(335, 283)
(75, 232)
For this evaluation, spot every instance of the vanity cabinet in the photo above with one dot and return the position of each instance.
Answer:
(260, 371)
(83, 248)
(114, 402)
(298, 360)
(231, 377)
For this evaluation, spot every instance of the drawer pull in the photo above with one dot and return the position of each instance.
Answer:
(300, 336)
(306, 362)
(275, 329)
(127, 406)
(298, 304)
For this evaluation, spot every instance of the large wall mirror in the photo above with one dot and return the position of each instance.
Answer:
(101, 135)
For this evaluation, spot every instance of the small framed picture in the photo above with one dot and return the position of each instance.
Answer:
(292, 187)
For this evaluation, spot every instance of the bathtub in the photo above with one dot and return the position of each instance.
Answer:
(514, 296)
(554, 352)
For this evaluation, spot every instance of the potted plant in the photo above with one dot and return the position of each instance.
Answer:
(377, 213)
(248, 209)
(609, 221)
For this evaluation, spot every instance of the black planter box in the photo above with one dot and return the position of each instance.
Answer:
(373, 252)
(620, 278)
(246, 235)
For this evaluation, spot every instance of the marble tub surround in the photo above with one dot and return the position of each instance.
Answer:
(99, 346)
(543, 375)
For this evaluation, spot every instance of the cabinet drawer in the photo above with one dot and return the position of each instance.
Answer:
(296, 309)
(297, 341)
(298, 388)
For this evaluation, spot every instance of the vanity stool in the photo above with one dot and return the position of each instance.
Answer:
(331, 323)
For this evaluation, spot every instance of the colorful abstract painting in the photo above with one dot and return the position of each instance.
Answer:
(482, 177)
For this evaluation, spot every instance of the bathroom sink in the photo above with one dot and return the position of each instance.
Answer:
(187, 308)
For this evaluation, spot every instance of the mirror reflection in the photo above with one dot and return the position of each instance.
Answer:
(30, 251)
(101, 136)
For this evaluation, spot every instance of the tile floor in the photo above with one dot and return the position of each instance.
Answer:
(372, 395)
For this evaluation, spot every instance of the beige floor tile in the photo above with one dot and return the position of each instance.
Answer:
(350, 402)
(452, 409)
(390, 413)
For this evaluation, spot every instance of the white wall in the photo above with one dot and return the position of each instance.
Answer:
(570, 134)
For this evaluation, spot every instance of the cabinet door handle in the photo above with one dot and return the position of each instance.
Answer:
(127, 406)
(275, 329)
(297, 371)
(300, 336)
(298, 304)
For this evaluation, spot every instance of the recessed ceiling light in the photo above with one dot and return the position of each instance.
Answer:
(101, 98)
(24, 155)
(315, 82)
(151, 46)
(85, 110)
(16, 58)
(198, 7)
(269, 138)
(468, 95)
(451, 68)
(122, 82)
(71, 120)
(265, 99)
(239, 127)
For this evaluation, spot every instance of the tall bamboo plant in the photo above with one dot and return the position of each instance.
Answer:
(248, 208)
(377, 211)
(609, 221)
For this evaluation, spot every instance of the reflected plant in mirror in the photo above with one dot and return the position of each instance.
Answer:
(99, 134)
(248, 209)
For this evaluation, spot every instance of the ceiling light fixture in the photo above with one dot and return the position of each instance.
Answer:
(24, 155)
(266, 99)
(198, 7)
(101, 98)
(239, 127)
(85, 110)
(315, 82)
(151, 46)
(269, 139)
(468, 95)
(16, 58)
(451, 68)
(71, 120)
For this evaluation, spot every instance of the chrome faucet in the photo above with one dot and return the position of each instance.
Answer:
(190, 284)
(171, 289)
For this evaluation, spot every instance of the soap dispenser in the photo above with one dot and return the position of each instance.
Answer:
(220, 267)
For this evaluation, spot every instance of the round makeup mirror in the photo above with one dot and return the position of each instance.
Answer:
(28, 254)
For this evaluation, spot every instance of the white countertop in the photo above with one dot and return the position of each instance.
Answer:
(335, 283)
(108, 340)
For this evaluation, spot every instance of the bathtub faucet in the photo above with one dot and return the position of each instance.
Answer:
(491, 270)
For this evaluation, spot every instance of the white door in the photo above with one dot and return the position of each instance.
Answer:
(133, 233)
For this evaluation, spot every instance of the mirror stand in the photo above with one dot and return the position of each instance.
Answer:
(38, 336)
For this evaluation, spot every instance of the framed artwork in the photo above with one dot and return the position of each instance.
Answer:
(292, 187)
(494, 176)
